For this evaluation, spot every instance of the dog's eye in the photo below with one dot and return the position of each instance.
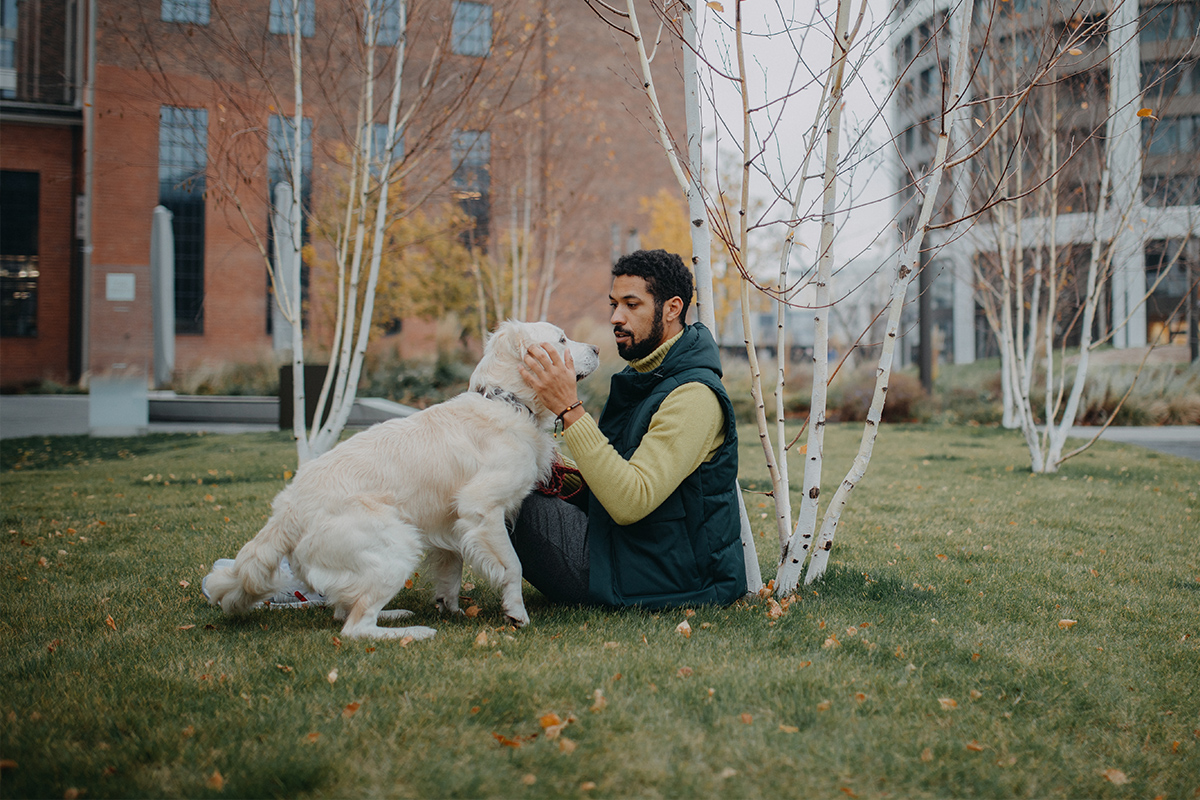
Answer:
(563, 340)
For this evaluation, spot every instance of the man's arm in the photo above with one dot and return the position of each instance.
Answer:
(684, 432)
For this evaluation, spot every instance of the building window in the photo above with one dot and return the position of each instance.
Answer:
(471, 154)
(384, 20)
(280, 20)
(1171, 135)
(1169, 21)
(1177, 190)
(185, 11)
(280, 131)
(19, 193)
(471, 30)
(379, 144)
(182, 160)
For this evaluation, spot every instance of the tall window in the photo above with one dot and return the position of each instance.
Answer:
(281, 132)
(19, 193)
(185, 11)
(471, 154)
(386, 19)
(471, 30)
(280, 20)
(379, 145)
(182, 159)
(1170, 21)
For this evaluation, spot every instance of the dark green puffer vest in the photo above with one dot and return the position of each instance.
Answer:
(687, 551)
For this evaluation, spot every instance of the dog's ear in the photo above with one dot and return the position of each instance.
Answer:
(504, 349)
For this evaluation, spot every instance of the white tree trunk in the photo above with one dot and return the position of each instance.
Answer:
(904, 276)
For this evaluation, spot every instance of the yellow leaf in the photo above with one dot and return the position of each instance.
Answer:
(312, 737)
(1146, 112)
(109, 622)
(1066, 623)
(976, 694)
(942, 556)
(208, 498)
(746, 719)
(587, 786)
(974, 746)
(472, 611)
(824, 705)
(788, 729)
(215, 781)
(832, 642)
(566, 746)
(1075, 51)
(598, 701)
(715, 6)
(529, 779)
(350, 710)
(71, 794)
(860, 697)
(550, 719)
(1115, 776)
(774, 610)
(284, 668)
(287, 474)
(685, 629)
(927, 755)
(185, 627)
(947, 703)
(727, 773)
(184, 584)
(804, 664)
(481, 640)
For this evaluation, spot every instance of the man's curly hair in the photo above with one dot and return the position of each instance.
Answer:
(665, 274)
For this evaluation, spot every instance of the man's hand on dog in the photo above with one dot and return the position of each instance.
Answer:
(553, 378)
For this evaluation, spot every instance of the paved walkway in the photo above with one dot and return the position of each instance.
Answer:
(66, 415)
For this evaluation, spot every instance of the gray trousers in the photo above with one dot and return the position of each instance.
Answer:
(550, 537)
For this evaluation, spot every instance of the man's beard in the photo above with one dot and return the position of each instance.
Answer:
(640, 349)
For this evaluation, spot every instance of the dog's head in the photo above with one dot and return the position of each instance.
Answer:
(505, 352)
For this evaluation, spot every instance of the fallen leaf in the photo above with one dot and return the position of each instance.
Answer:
(860, 697)
(189, 731)
(287, 474)
(350, 710)
(505, 741)
(598, 701)
(685, 629)
(715, 6)
(42, 562)
(109, 622)
(215, 781)
(208, 498)
(72, 793)
(804, 664)
(832, 642)
(824, 705)
(774, 610)
(947, 703)
(549, 720)
(976, 694)
(184, 584)
(974, 746)
(185, 627)
(566, 746)
(746, 719)
(408, 584)
(849, 792)
(942, 557)
(611, 645)
(312, 737)
(472, 611)
(587, 786)
(1115, 776)
(468, 587)
(927, 755)
(727, 773)
(683, 672)
(788, 729)
(481, 640)
(529, 779)
(332, 676)
(406, 641)
(337, 642)
(284, 668)
(1067, 623)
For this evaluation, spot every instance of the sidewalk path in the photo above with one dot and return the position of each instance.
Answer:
(67, 415)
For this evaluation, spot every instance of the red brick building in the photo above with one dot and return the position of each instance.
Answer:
(189, 100)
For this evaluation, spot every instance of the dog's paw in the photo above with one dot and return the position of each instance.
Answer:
(518, 619)
(448, 606)
(395, 613)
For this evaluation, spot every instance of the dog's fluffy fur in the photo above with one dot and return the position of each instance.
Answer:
(355, 522)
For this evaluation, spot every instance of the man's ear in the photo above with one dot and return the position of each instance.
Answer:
(672, 309)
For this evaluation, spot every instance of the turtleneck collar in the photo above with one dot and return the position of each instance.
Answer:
(652, 361)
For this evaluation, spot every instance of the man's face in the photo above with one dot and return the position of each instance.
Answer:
(637, 322)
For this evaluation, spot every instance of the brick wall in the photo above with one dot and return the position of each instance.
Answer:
(47, 150)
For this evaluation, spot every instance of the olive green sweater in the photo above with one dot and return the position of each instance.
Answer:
(684, 433)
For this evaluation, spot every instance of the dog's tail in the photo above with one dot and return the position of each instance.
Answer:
(254, 576)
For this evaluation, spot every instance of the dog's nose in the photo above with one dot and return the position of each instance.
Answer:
(595, 349)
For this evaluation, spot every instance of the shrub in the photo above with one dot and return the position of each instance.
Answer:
(905, 400)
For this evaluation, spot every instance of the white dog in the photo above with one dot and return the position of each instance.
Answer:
(355, 522)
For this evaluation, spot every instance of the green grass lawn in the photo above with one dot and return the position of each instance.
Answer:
(934, 660)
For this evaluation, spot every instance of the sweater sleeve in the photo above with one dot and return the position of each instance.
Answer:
(684, 433)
